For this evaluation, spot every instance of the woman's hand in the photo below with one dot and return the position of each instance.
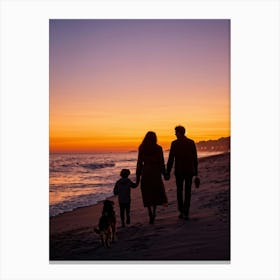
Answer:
(137, 180)
(166, 176)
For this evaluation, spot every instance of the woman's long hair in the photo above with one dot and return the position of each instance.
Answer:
(149, 143)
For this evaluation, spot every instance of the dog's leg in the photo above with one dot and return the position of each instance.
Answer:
(101, 235)
(102, 240)
(108, 239)
(113, 232)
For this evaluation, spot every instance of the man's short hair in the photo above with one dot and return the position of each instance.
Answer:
(180, 129)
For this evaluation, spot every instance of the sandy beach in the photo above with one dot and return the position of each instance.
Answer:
(205, 237)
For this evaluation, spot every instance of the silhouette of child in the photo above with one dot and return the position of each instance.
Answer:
(122, 189)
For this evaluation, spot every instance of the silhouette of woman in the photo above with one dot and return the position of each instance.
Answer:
(150, 168)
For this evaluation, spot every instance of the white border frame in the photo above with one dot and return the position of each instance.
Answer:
(255, 138)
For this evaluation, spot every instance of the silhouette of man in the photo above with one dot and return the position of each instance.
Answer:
(183, 151)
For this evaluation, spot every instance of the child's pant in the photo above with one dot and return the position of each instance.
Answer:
(125, 208)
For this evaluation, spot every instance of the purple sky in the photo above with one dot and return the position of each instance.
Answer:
(100, 67)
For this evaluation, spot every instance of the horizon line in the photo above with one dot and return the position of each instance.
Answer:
(118, 149)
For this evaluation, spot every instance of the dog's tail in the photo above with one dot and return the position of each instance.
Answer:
(96, 230)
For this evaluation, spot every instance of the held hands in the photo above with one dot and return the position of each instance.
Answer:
(166, 176)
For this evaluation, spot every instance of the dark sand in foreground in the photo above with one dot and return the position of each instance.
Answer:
(205, 237)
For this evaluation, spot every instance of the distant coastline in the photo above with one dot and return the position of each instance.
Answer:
(220, 145)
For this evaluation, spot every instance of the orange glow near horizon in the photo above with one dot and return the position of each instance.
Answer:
(111, 81)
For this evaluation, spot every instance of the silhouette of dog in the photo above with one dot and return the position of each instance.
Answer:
(107, 224)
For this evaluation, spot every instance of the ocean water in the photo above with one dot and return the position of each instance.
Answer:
(78, 180)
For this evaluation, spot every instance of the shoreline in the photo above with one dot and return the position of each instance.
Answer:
(201, 159)
(81, 207)
(208, 231)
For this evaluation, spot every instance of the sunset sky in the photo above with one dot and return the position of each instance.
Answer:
(111, 81)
